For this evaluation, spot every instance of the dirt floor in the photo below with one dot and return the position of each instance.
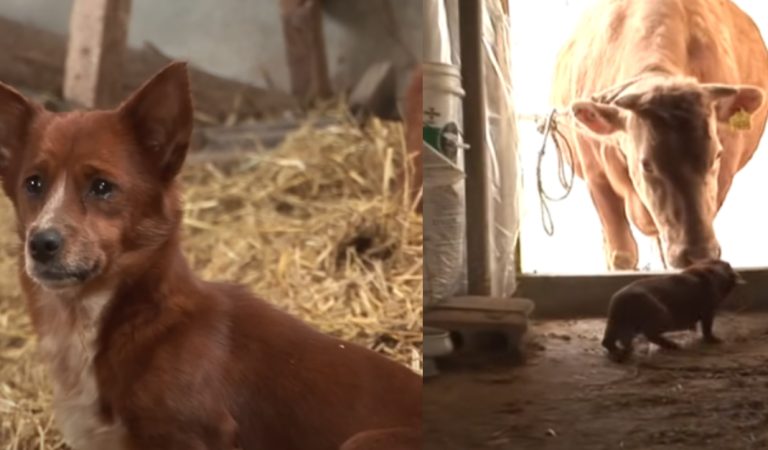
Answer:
(568, 395)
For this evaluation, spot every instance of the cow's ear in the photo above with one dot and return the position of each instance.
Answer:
(732, 99)
(599, 118)
(632, 102)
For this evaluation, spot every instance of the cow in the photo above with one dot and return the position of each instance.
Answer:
(664, 104)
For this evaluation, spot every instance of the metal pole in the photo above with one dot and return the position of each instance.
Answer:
(480, 261)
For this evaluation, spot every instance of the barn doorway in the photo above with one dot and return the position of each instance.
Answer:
(576, 244)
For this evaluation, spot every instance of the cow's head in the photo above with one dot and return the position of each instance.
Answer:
(668, 134)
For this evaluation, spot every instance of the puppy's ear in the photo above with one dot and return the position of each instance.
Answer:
(728, 272)
(16, 115)
(160, 114)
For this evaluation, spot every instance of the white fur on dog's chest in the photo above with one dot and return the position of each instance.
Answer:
(69, 352)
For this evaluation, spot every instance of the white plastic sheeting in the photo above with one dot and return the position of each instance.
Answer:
(501, 143)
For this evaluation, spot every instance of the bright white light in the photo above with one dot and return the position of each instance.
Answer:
(538, 31)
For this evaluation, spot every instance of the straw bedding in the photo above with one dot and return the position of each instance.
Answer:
(316, 226)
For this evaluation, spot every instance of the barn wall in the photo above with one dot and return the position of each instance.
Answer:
(243, 39)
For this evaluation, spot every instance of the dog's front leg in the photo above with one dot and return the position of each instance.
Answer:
(178, 440)
(202, 433)
(385, 439)
(170, 443)
(706, 329)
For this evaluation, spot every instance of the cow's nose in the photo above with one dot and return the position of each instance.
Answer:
(691, 255)
(45, 245)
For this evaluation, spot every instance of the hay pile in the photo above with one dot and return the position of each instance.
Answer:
(316, 227)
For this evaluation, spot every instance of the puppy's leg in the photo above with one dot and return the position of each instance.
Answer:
(661, 341)
(610, 345)
(609, 339)
(706, 329)
(659, 323)
(385, 439)
(626, 347)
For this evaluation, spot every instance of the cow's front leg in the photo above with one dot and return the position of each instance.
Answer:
(619, 244)
(660, 248)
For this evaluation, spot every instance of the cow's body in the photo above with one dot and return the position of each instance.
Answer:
(712, 41)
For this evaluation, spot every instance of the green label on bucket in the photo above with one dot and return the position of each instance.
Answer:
(445, 140)
(432, 136)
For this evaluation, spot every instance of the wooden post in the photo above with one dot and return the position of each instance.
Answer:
(305, 48)
(480, 232)
(98, 31)
(414, 125)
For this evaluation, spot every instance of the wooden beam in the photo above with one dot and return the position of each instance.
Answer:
(305, 48)
(579, 296)
(98, 31)
(32, 58)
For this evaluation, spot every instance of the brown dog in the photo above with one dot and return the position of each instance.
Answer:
(143, 354)
(674, 302)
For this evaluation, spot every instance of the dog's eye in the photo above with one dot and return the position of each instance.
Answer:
(101, 188)
(34, 185)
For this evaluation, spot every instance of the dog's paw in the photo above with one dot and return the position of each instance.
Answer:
(712, 340)
(619, 356)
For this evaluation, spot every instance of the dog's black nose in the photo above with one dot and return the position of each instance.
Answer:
(45, 245)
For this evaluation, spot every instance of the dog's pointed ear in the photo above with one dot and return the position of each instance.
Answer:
(16, 114)
(160, 114)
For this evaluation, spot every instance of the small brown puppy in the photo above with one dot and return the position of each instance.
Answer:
(674, 302)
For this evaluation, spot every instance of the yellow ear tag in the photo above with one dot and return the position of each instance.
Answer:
(740, 120)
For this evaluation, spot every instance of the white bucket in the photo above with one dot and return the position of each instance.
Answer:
(444, 197)
(443, 114)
